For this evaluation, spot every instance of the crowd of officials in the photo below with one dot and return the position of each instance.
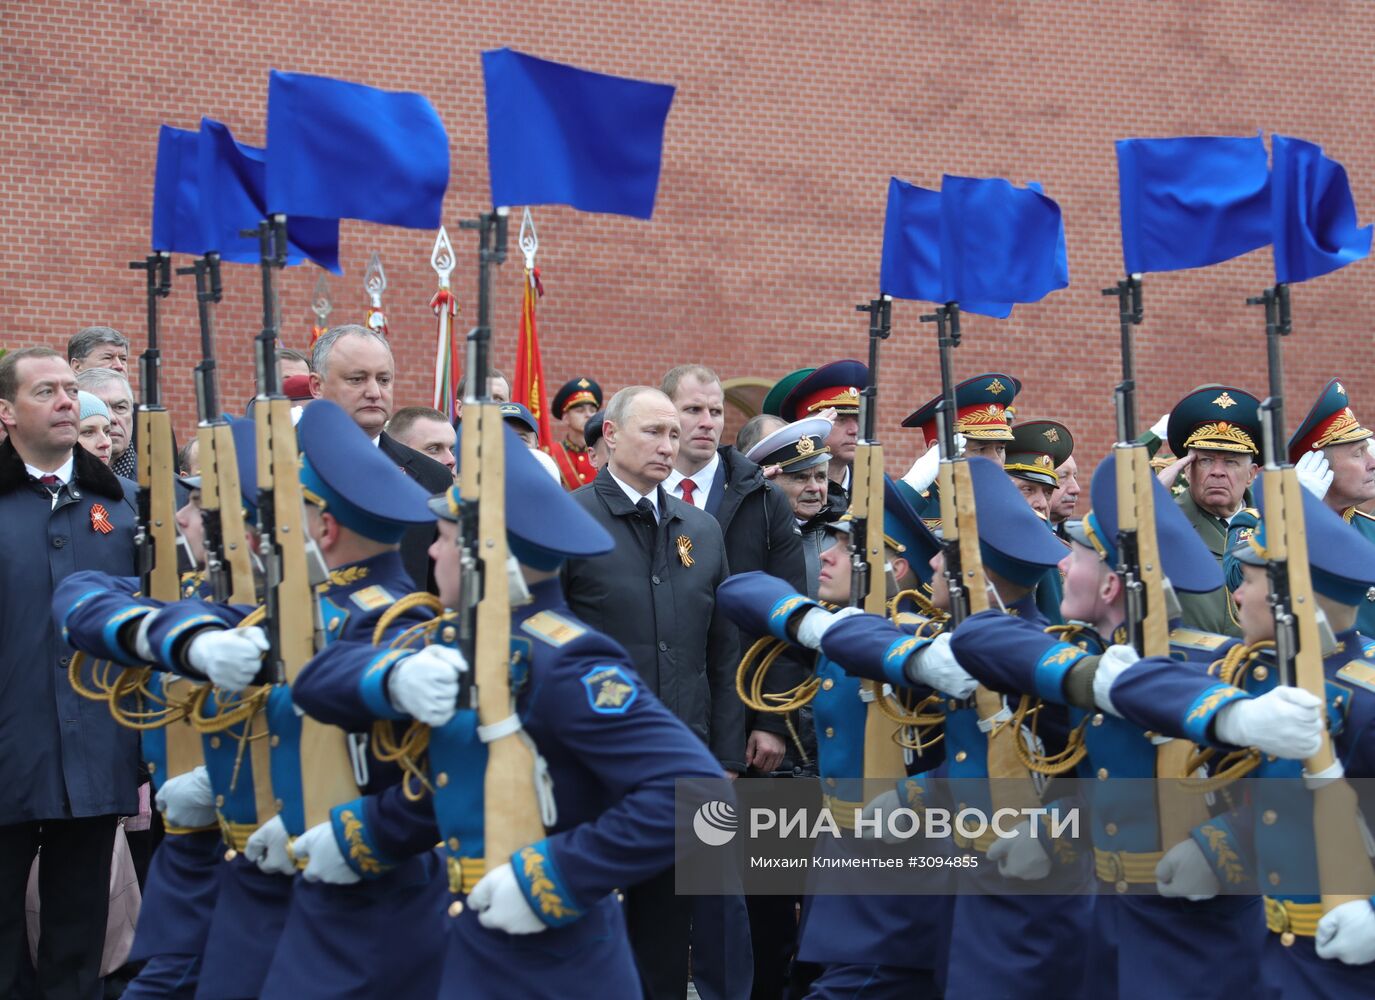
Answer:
(683, 511)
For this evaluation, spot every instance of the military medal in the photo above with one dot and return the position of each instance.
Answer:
(684, 548)
(100, 519)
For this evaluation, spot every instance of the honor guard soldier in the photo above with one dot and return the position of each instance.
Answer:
(1331, 455)
(833, 386)
(1140, 944)
(1037, 451)
(608, 754)
(981, 418)
(1270, 839)
(1030, 944)
(880, 945)
(183, 878)
(576, 402)
(358, 505)
(1215, 432)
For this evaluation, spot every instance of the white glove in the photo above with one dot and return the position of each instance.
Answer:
(230, 657)
(1020, 855)
(1184, 871)
(960, 440)
(267, 848)
(187, 800)
(500, 904)
(143, 649)
(1347, 933)
(318, 846)
(1315, 475)
(425, 685)
(1284, 722)
(1111, 664)
(1161, 429)
(924, 469)
(817, 620)
(884, 804)
(936, 667)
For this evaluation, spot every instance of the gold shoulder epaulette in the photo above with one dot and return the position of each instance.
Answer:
(1192, 638)
(1360, 673)
(553, 628)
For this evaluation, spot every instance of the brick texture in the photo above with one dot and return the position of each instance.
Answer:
(789, 119)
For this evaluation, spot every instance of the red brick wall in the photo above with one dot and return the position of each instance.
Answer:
(789, 119)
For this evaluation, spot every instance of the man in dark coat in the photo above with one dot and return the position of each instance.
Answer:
(655, 593)
(67, 769)
(353, 367)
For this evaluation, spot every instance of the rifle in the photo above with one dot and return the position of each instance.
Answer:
(1298, 645)
(883, 758)
(227, 561)
(1010, 784)
(1138, 564)
(511, 810)
(156, 539)
(329, 767)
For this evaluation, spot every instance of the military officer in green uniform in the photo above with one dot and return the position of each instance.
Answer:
(1037, 450)
(1332, 458)
(1215, 432)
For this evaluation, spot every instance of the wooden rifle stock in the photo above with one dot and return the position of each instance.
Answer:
(1342, 858)
(1010, 783)
(1178, 809)
(883, 760)
(511, 813)
(221, 500)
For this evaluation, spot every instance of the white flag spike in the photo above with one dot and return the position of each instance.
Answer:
(442, 257)
(375, 279)
(529, 239)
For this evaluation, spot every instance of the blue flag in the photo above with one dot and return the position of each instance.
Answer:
(1191, 202)
(232, 184)
(1312, 213)
(339, 150)
(911, 267)
(1000, 242)
(176, 194)
(561, 135)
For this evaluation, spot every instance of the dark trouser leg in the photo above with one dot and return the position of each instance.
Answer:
(74, 901)
(773, 934)
(659, 924)
(18, 844)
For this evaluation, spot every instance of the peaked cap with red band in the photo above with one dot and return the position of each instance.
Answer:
(1329, 422)
(834, 385)
(981, 405)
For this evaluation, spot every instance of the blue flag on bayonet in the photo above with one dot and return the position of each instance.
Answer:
(1000, 242)
(1191, 201)
(1313, 215)
(340, 150)
(911, 266)
(176, 192)
(232, 181)
(560, 135)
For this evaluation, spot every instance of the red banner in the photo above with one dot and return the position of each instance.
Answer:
(528, 387)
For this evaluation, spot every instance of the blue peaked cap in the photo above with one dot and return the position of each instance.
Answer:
(1184, 557)
(544, 525)
(1340, 559)
(359, 485)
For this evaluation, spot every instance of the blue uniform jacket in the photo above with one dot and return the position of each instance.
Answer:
(61, 755)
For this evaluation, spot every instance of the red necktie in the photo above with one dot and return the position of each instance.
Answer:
(688, 487)
(50, 480)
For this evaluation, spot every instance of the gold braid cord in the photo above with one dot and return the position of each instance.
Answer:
(1232, 669)
(115, 685)
(408, 752)
(752, 692)
(1028, 708)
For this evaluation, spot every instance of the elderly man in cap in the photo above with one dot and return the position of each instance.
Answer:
(1215, 434)
(1037, 449)
(576, 402)
(799, 459)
